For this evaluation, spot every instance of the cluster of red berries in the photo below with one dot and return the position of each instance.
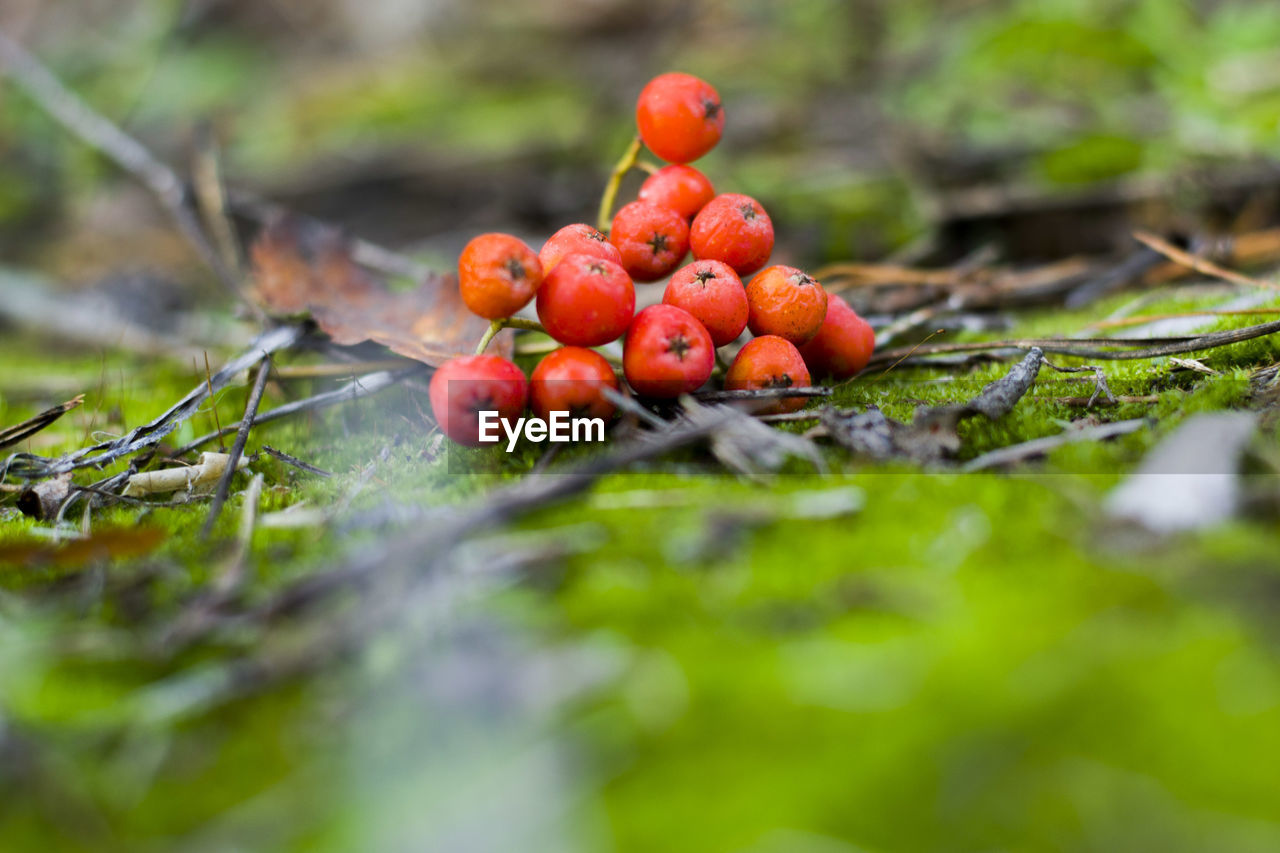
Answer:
(583, 282)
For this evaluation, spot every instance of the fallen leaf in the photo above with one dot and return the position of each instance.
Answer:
(301, 266)
(113, 544)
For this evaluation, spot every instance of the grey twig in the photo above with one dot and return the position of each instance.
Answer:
(237, 449)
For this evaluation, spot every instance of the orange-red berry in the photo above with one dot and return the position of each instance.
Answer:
(679, 117)
(735, 229)
(682, 188)
(844, 343)
(463, 387)
(769, 362)
(586, 301)
(667, 352)
(712, 292)
(498, 275)
(572, 379)
(786, 302)
(653, 240)
(577, 239)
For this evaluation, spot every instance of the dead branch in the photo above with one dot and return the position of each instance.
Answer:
(28, 466)
(1200, 265)
(1138, 348)
(31, 426)
(237, 448)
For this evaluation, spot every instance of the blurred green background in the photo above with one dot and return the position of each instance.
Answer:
(860, 124)
(964, 666)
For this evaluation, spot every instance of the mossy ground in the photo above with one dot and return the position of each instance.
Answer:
(966, 662)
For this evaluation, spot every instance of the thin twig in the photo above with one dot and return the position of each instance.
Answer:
(32, 425)
(232, 578)
(1200, 265)
(1142, 319)
(294, 461)
(361, 386)
(237, 448)
(1087, 347)
(31, 467)
(1041, 446)
(213, 404)
(760, 394)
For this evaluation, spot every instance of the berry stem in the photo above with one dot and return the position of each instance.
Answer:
(648, 167)
(498, 325)
(720, 362)
(625, 163)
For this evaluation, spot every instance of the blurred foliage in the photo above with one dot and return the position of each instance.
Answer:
(836, 108)
(969, 663)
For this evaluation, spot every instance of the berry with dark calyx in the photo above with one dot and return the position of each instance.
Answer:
(653, 240)
(463, 387)
(786, 302)
(769, 362)
(576, 239)
(682, 188)
(667, 352)
(734, 229)
(712, 292)
(844, 343)
(498, 275)
(586, 301)
(572, 379)
(679, 117)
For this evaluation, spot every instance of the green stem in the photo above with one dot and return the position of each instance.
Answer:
(628, 159)
(498, 325)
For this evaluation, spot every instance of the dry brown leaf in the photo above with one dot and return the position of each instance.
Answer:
(305, 267)
(109, 544)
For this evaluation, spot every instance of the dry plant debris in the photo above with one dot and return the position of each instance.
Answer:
(301, 266)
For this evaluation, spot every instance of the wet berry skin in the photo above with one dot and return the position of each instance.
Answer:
(498, 275)
(577, 239)
(682, 188)
(679, 117)
(769, 362)
(572, 379)
(586, 301)
(653, 240)
(734, 229)
(844, 342)
(667, 352)
(786, 302)
(463, 387)
(712, 292)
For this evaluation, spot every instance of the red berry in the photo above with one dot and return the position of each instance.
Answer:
(769, 362)
(571, 380)
(586, 301)
(713, 294)
(679, 116)
(734, 229)
(463, 387)
(576, 239)
(786, 302)
(844, 343)
(498, 275)
(653, 240)
(667, 352)
(682, 188)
